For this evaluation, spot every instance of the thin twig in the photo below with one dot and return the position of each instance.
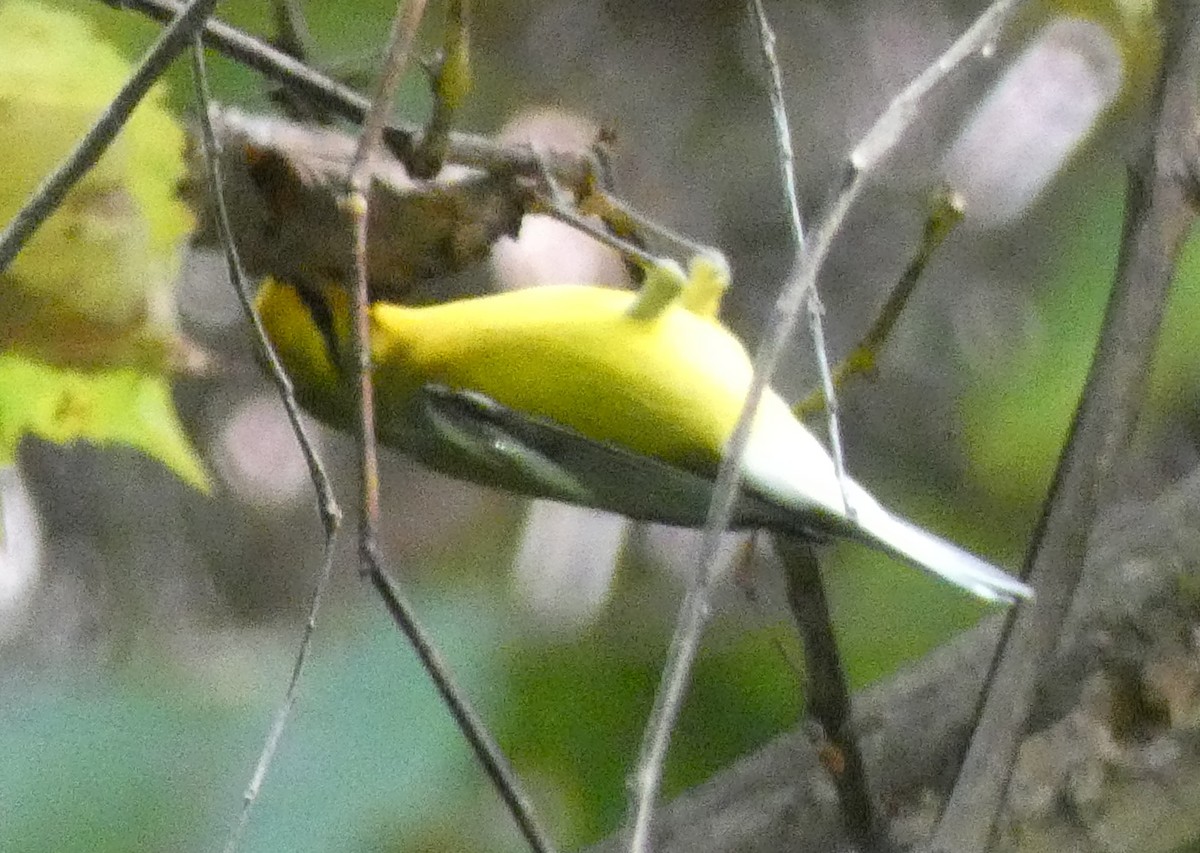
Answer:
(783, 134)
(326, 503)
(331, 515)
(828, 691)
(293, 35)
(356, 201)
(284, 711)
(693, 613)
(400, 41)
(274, 63)
(550, 207)
(358, 181)
(469, 723)
(947, 213)
(623, 223)
(451, 84)
(49, 196)
(787, 165)
(1160, 210)
(786, 159)
(626, 219)
(905, 108)
(463, 148)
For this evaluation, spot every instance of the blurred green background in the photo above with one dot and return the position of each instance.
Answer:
(141, 671)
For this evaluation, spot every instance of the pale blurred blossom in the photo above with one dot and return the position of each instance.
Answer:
(20, 551)
(258, 458)
(566, 561)
(1034, 118)
(547, 251)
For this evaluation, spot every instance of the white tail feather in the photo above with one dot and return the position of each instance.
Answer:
(785, 462)
(934, 554)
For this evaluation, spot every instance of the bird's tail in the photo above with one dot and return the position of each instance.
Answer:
(934, 554)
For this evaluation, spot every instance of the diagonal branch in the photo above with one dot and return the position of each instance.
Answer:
(463, 148)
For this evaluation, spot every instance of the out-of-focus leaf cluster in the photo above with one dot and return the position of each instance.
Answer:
(87, 320)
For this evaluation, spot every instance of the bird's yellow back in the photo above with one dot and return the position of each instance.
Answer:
(669, 386)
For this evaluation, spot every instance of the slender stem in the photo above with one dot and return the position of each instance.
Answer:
(293, 35)
(358, 179)
(947, 213)
(828, 688)
(786, 158)
(400, 41)
(326, 503)
(356, 201)
(828, 691)
(629, 220)
(331, 514)
(693, 613)
(565, 214)
(451, 84)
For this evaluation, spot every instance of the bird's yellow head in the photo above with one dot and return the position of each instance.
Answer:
(308, 330)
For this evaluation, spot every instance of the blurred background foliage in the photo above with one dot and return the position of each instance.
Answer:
(145, 653)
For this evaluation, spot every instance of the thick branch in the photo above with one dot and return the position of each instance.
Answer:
(1159, 214)
(1088, 773)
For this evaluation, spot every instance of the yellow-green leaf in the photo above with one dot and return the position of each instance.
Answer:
(102, 407)
(88, 335)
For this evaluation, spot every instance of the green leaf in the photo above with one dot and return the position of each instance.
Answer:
(88, 335)
(120, 406)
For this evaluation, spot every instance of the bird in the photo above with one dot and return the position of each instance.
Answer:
(615, 399)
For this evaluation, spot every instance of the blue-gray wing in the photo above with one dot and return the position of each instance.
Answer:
(472, 437)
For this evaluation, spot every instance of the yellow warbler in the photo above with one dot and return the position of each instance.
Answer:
(622, 401)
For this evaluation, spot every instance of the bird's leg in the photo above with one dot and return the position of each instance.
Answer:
(707, 280)
(664, 281)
